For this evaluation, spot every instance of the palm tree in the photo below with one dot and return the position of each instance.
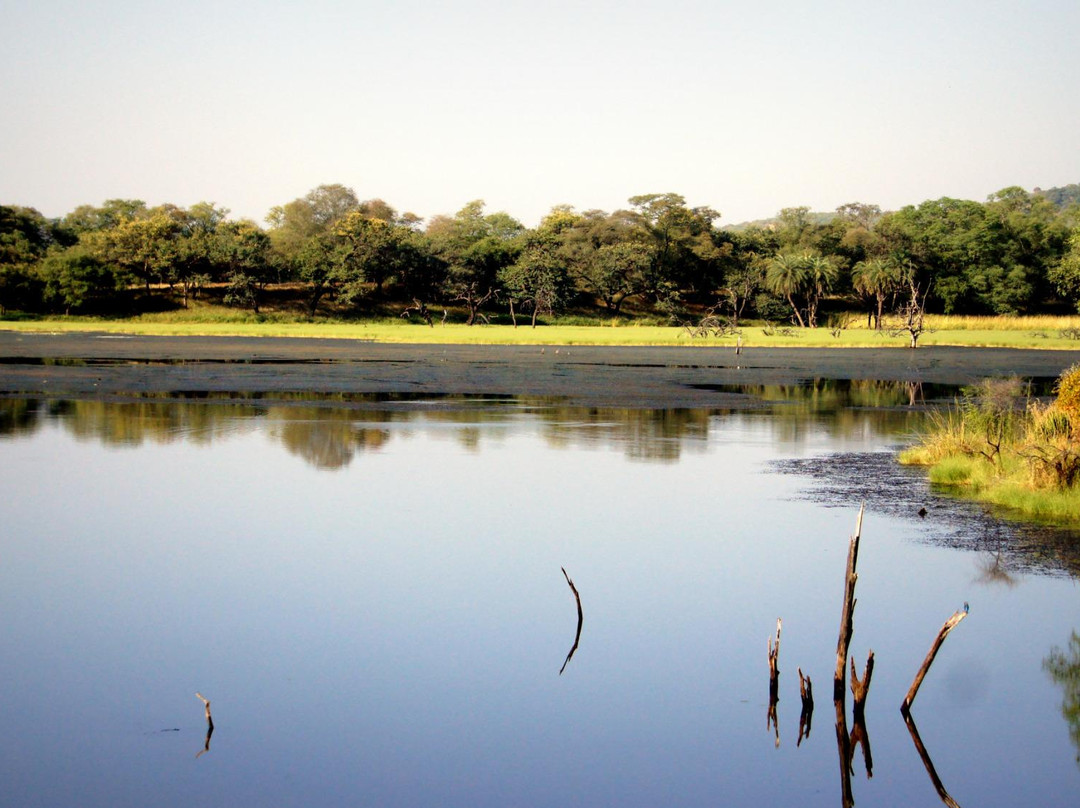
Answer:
(821, 274)
(877, 278)
(786, 276)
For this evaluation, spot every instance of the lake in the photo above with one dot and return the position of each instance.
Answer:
(369, 590)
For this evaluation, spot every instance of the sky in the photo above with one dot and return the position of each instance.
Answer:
(747, 107)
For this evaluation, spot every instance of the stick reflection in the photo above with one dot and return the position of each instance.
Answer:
(927, 762)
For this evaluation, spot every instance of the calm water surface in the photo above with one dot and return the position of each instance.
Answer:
(370, 594)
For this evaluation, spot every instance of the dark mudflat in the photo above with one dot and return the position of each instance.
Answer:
(105, 365)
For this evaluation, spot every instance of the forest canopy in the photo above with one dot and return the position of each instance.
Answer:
(1017, 252)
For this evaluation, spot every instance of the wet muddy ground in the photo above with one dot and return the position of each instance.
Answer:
(1008, 546)
(105, 366)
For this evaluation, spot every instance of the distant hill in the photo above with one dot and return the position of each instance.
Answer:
(815, 217)
(1062, 197)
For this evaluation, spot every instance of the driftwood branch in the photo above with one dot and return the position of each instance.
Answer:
(949, 625)
(580, 620)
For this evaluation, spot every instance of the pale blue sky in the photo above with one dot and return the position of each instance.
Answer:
(744, 106)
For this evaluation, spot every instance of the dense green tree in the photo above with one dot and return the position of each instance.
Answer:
(539, 280)
(75, 278)
(26, 236)
(379, 249)
(614, 272)
(194, 260)
(685, 255)
(111, 213)
(745, 265)
(293, 224)
(144, 248)
(242, 251)
(1065, 274)
(474, 247)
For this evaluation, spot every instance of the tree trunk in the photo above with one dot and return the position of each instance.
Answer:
(795, 309)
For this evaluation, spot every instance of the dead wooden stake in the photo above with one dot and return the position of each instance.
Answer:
(949, 625)
(860, 688)
(847, 614)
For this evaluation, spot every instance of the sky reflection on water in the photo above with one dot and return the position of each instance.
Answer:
(385, 623)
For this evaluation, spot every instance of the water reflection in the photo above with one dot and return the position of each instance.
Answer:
(924, 756)
(409, 660)
(1064, 669)
(330, 431)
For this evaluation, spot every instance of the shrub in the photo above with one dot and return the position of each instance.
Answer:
(1068, 392)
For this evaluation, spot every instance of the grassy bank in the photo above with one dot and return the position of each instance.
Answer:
(1000, 447)
(1010, 332)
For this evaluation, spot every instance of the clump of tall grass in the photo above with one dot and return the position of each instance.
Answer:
(1001, 446)
(1001, 322)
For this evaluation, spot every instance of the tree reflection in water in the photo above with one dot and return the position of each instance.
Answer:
(1064, 669)
(329, 430)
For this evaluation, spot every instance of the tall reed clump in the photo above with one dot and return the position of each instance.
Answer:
(999, 445)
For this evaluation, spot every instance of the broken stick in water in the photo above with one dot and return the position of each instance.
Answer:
(209, 725)
(950, 624)
(771, 721)
(580, 620)
(774, 672)
(860, 687)
(806, 717)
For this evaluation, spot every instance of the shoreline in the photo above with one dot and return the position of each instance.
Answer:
(104, 365)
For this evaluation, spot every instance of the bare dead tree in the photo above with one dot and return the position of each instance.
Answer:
(421, 309)
(911, 317)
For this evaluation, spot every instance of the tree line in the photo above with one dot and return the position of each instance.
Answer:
(1016, 253)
